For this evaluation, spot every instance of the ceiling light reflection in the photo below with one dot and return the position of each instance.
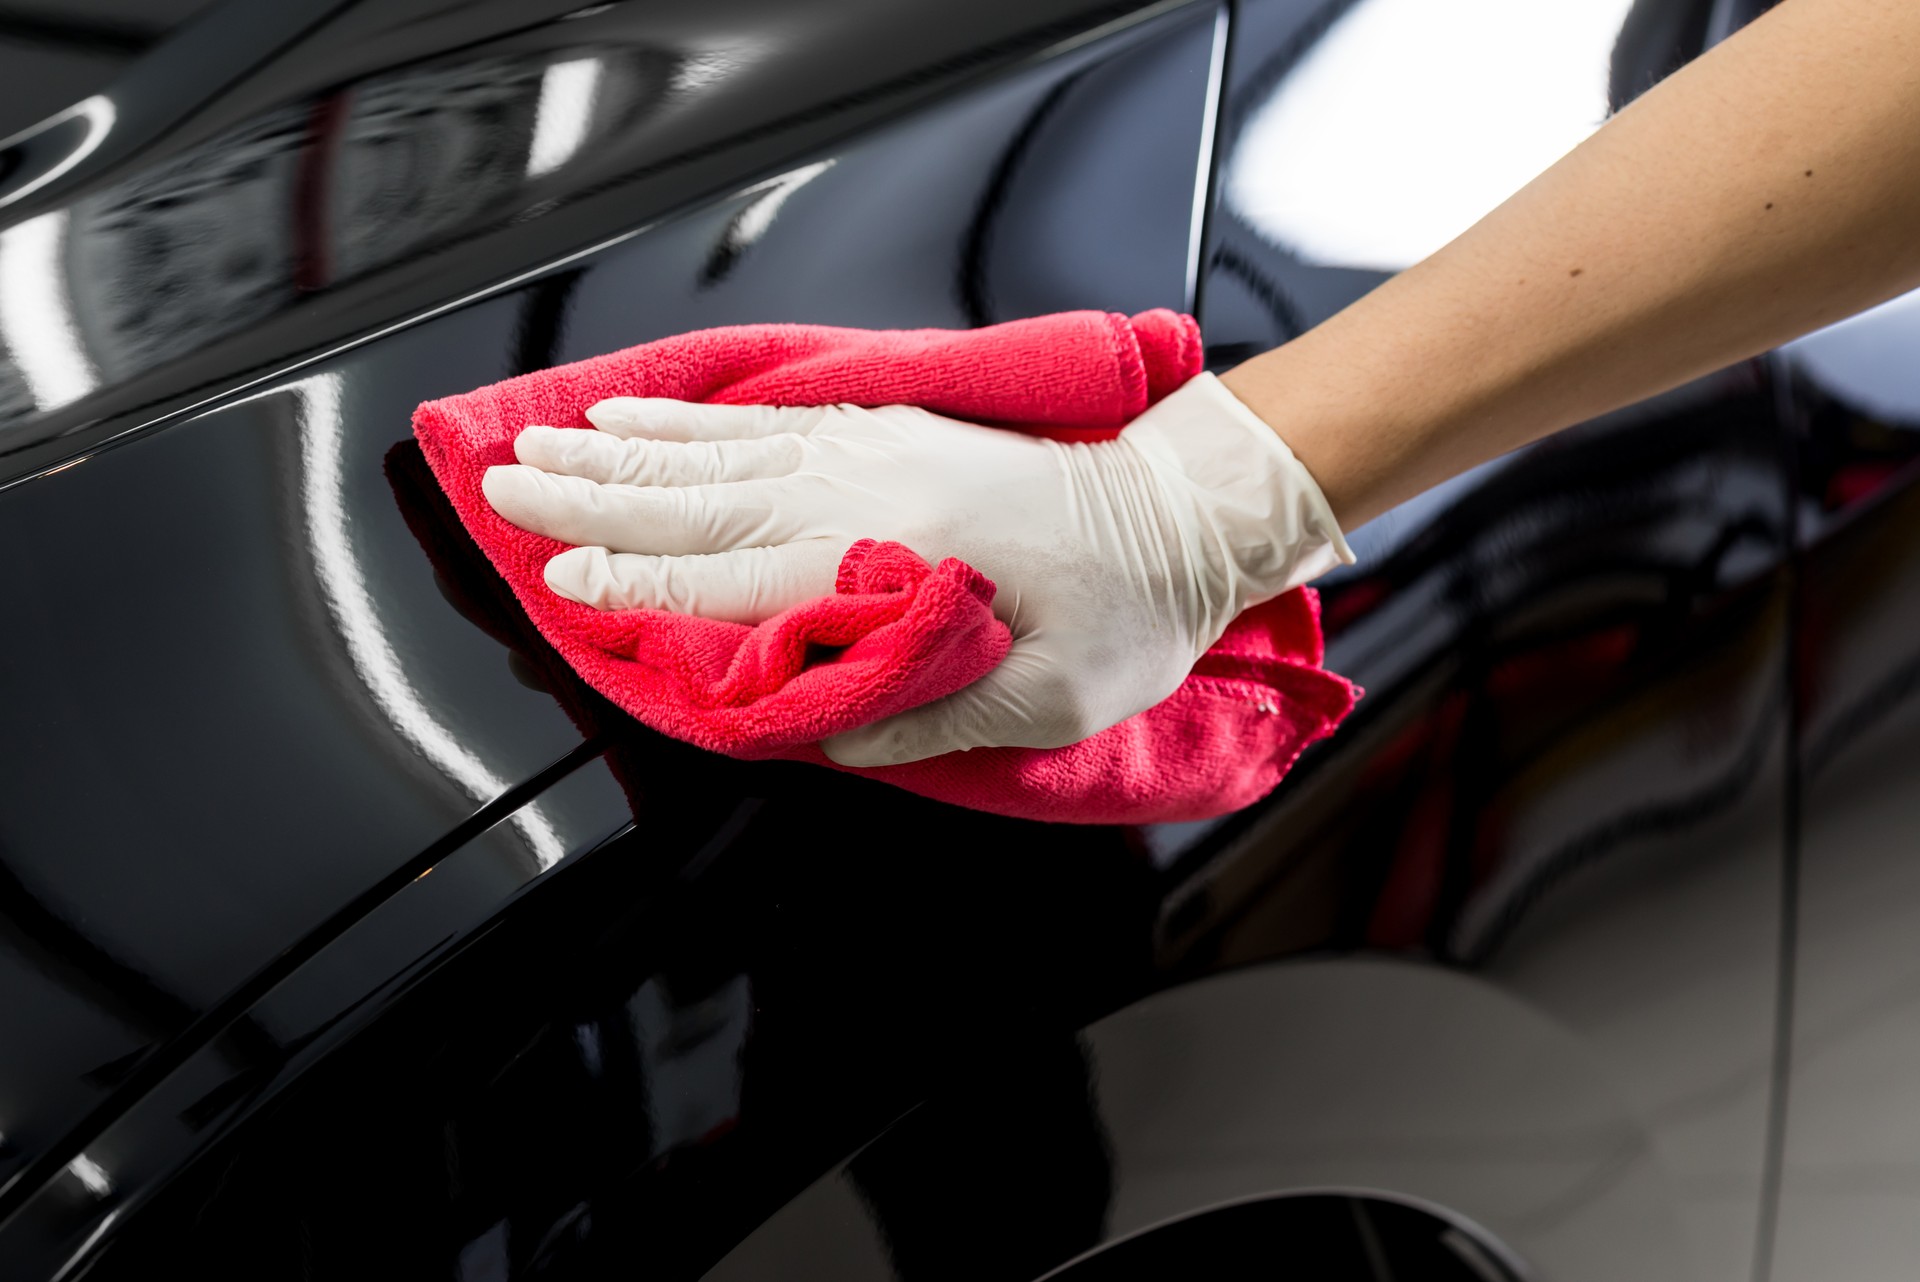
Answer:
(91, 1175)
(1410, 120)
(36, 313)
(562, 114)
(1867, 360)
(1203, 182)
(355, 617)
(98, 112)
(754, 220)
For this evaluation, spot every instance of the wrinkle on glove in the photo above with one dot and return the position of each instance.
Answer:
(898, 633)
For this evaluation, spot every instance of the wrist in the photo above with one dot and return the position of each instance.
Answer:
(1254, 500)
(1383, 400)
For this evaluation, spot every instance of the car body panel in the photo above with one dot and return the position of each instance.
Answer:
(1263, 1080)
(321, 710)
(53, 52)
(1849, 1148)
(518, 988)
(365, 163)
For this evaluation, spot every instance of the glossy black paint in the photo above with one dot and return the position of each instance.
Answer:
(639, 1064)
(355, 935)
(51, 55)
(1847, 1193)
(1564, 796)
(318, 710)
(1336, 1237)
(390, 160)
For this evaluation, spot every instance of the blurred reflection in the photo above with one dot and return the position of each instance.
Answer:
(54, 51)
(1404, 124)
(294, 201)
(1854, 393)
(744, 230)
(37, 325)
(637, 1065)
(92, 1176)
(1867, 361)
(931, 1181)
(75, 133)
(564, 115)
(1850, 1182)
(689, 1052)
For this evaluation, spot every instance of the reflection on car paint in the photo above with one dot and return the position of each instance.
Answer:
(323, 211)
(241, 226)
(1510, 941)
(1848, 1166)
(356, 619)
(347, 702)
(1397, 128)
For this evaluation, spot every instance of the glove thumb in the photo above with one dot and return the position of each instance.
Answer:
(1022, 703)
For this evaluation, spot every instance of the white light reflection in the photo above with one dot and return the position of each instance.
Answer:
(86, 1246)
(350, 602)
(1410, 120)
(1868, 360)
(752, 222)
(97, 111)
(700, 70)
(91, 1175)
(1203, 180)
(36, 312)
(563, 113)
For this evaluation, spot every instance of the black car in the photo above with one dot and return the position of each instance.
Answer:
(345, 933)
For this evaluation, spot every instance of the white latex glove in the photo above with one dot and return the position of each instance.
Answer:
(1118, 563)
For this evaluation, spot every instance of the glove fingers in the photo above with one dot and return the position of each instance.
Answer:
(746, 586)
(669, 420)
(658, 520)
(614, 460)
(1022, 703)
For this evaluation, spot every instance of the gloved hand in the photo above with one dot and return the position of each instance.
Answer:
(1118, 563)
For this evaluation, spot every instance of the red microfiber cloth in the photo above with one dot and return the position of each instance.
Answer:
(897, 632)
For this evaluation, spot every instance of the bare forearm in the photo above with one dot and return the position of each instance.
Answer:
(1769, 188)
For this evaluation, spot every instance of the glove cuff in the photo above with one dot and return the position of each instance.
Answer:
(1261, 503)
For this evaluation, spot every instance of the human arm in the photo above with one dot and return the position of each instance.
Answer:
(1686, 234)
(1768, 188)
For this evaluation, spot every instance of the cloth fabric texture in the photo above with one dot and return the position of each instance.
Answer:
(897, 632)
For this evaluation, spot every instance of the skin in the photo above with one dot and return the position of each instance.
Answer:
(1770, 187)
